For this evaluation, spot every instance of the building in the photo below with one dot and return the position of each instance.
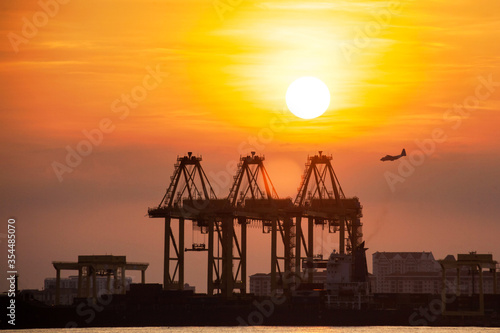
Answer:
(69, 289)
(260, 284)
(89, 268)
(411, 283)
(420, 273)
(404, 272)
(71, 282)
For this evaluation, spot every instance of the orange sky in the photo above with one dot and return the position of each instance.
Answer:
(395, 70)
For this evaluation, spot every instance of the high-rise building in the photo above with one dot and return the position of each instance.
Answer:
(405, 272)
(260, 284)
(419, 272)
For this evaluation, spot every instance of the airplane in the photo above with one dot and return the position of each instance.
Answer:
(393, 158)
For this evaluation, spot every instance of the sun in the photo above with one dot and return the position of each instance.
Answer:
(307, 97)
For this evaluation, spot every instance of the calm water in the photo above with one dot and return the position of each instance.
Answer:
(269, 329)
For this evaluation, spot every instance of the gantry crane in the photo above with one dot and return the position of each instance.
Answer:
(321, 199)
(188, 197)
(252, 197)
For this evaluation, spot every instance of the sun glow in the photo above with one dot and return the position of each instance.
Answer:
(308, 97)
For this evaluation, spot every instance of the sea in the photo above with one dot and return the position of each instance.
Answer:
(267, 329)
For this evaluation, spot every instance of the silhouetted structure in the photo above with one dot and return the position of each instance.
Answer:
(476, 263)
(89, 267)
(68, 290)
(405, 272)
(322, 201)
(252, 198)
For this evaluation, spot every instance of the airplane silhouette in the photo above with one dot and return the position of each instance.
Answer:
(393, 158)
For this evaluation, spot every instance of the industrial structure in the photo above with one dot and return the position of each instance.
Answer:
(475, 263)
(68, 289)
(90, 267)
(300, 293)
(252, 198)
